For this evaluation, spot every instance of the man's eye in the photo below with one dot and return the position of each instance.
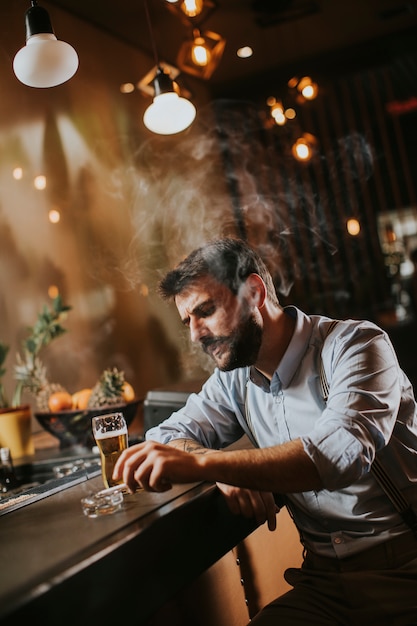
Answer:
(207, 311)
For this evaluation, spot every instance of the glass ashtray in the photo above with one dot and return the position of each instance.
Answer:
(98, 504)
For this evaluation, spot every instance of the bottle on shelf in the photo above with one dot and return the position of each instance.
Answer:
(8, 480)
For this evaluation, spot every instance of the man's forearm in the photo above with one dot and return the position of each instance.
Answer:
(281, 469)
(284, 468)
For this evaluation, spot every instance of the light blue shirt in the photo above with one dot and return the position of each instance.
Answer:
(370, 402)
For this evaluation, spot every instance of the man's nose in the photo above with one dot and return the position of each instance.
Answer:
(196, 329)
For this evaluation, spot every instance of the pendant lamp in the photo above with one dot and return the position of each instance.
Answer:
(169, 113)
(44, 61)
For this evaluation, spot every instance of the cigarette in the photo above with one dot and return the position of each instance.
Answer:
(110, 490)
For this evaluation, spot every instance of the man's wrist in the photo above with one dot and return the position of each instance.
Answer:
(189, 445)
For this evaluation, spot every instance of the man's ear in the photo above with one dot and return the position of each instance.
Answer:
(256, 290)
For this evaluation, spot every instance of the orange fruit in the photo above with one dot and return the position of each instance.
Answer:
(80, 398)
(59, 401)
(128, 392)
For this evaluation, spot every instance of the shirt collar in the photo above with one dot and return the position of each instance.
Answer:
(293, 354)
(297, 346)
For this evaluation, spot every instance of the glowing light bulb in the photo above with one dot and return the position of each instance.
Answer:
(353, 227)
(302, 150)
(245, 52)
(200, 54)
(307, 88)
(127, 88)
(18, 173)
(290, 113)
(39, 182)
(277, 112)
(304, 147)
(169, 114)
(54, 216)
(192, 8)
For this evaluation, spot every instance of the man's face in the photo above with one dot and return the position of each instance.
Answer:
(228, 327)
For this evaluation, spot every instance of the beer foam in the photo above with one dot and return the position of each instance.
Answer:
(110, 433)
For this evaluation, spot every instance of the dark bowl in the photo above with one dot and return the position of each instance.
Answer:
(73, 428)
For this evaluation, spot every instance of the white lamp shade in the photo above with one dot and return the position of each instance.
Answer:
(169, 114)
(45, 62)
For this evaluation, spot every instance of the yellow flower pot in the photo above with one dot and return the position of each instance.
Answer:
(16, 431)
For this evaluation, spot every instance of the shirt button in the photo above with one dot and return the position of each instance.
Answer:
(338, 540)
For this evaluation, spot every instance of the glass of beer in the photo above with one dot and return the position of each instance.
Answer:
(110, 433)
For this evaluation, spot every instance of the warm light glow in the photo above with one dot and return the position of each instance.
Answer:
(303, 148)
(277, 112)
(353, 227)
(245, 52)
(290, 113)
(200, 54)
(45, 61)
(192, 8)
(307, 88)
(54, 216)
(53, 291)
(309, 92)
(127, 87)
(39, 182)
(18, 173)
(169, 114)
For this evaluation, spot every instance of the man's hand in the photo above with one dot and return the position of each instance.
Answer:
(155, 467)
(249, 503)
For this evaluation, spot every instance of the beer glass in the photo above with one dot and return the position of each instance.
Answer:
(110, 433)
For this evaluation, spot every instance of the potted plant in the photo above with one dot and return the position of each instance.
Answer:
(30, 375)
(66, 416)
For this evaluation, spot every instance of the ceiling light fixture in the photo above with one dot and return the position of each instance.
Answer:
(195, 11)
(169, 113)
(43, 61)
(201, 54)
(192, 8)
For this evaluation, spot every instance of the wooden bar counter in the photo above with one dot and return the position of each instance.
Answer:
(60, 567)
(178, 558)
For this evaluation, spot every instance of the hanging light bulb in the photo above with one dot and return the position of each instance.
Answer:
(43, 61)
(169, 113)
(200, 53)
(192, 8)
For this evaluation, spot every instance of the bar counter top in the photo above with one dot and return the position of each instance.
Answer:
(58, 566)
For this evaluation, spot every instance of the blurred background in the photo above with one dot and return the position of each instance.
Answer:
(304, 143)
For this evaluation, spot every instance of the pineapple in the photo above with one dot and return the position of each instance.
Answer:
(108, 390)
(32, 373)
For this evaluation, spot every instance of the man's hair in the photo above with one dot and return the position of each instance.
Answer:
(229, 261)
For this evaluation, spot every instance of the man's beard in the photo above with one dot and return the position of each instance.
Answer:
(239, 349)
